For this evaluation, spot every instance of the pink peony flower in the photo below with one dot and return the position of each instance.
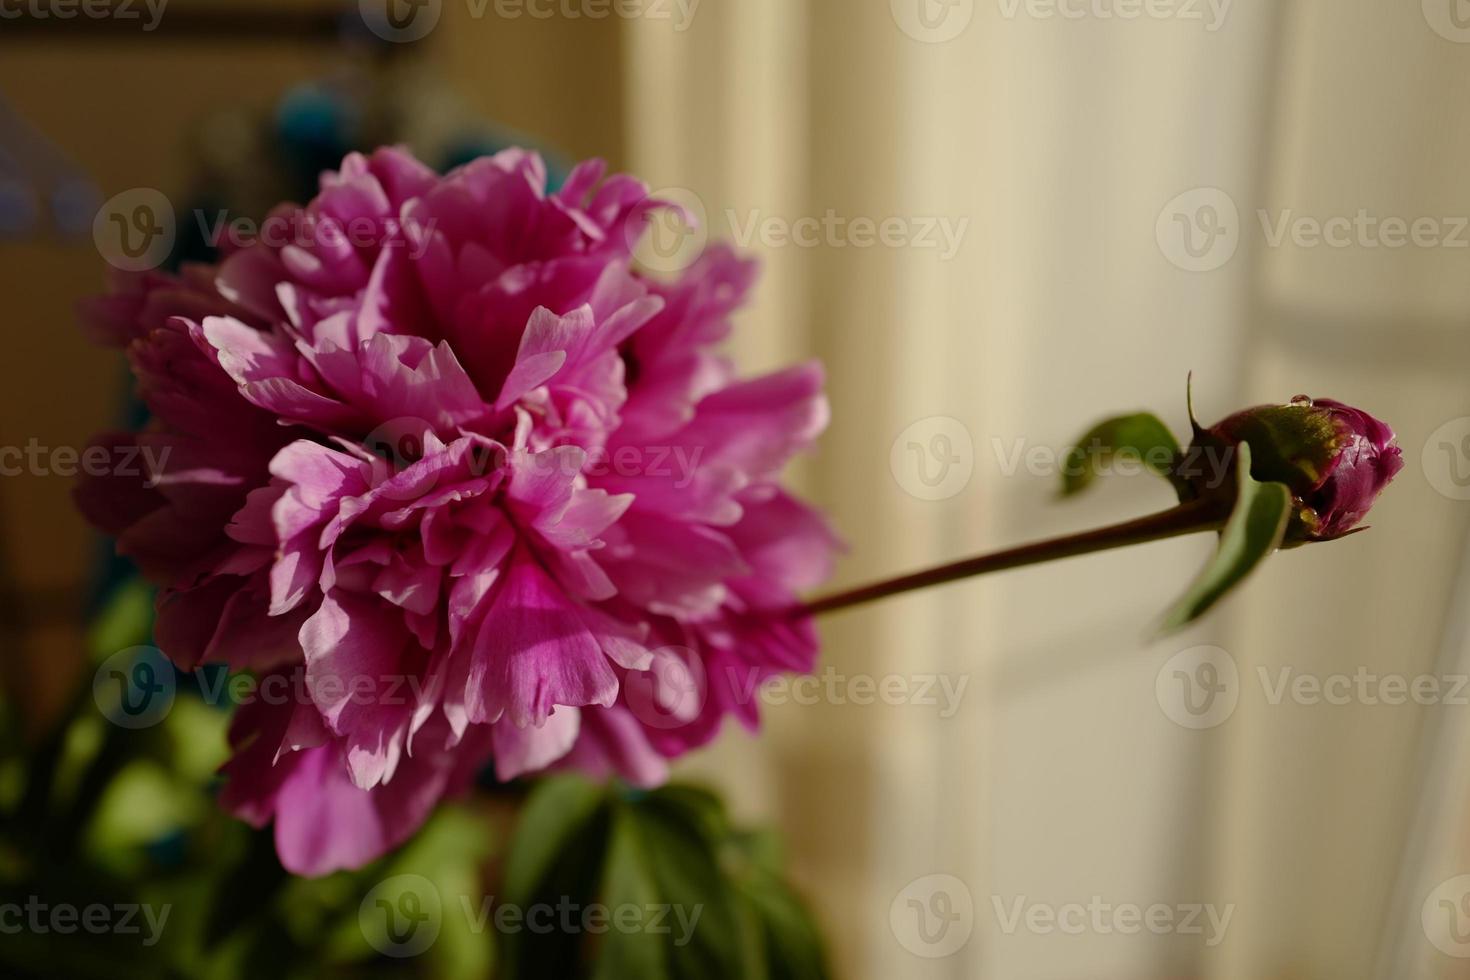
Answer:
(443, 457)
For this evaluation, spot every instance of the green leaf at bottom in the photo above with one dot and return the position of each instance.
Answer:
(1254, 531)
(1141, 438)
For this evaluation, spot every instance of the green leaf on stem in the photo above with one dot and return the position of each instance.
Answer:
(555, 860)
(674, 890)
(561, 809)
(1141, 438)
(1255, 530)
(784, 938)
(663, 856)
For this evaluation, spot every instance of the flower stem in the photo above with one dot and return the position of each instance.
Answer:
(1188, 518)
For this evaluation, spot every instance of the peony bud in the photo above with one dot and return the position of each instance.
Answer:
(1334, 458)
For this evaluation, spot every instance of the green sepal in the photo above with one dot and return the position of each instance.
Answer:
(1255, 529)
(1195, 428)
(1141, 436)
(1295, 444)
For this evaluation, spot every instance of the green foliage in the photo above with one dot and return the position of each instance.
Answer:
(1254, 531)
(125, 620)
(679, 893)
(1140, 438)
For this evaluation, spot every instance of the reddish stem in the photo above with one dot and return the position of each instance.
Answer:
(1189, 518)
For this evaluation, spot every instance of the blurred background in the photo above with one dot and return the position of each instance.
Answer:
(995, 221)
